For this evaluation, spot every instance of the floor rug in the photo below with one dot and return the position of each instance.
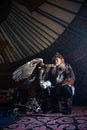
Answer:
(76, 121)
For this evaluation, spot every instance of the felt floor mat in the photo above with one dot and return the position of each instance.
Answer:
(76, 121)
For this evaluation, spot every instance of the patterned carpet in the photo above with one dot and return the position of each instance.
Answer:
(76, 121)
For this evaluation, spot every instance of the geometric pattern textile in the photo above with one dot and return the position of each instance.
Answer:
(76, 121)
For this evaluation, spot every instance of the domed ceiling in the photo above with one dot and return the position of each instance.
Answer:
(31, 26)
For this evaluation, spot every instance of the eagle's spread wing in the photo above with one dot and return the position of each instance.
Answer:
(26, 70)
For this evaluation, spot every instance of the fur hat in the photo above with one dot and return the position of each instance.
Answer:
(58, 55)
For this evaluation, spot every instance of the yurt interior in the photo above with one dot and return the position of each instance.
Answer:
(32, 32)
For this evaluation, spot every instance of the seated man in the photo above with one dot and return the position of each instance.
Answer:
(62, 77)
(56, 81)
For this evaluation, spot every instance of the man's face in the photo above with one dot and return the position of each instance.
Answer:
(58, 61)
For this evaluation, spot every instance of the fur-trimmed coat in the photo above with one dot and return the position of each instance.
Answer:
(58, 75)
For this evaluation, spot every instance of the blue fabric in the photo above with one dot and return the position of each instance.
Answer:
(66, 91)
(4, 120)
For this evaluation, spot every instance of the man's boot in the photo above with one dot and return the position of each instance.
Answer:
(68, 106)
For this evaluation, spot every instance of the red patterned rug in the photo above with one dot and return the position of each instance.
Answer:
(76, 121)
